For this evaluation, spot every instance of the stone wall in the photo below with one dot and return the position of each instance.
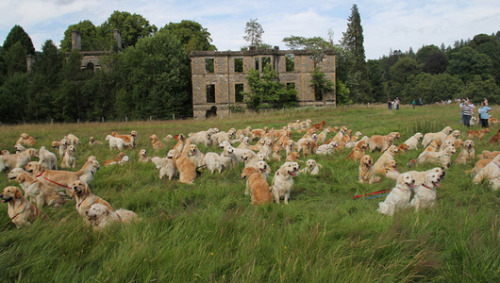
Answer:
(225, 77)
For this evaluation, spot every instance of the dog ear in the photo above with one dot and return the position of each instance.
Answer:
(18, 193)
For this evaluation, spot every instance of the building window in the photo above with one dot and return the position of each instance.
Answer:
(318, 95)
(265, 61)
(90, 66)
(290, 62)
(211, 93)
(209, 65)
(290, 85)
(257, 64)
(238, 65)
(238, 92)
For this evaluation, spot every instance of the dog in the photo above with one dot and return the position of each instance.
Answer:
(403, 147)
(203, 137)
(380, 142)
(181, 141)
(195, 154)
(20, 211)
(257, 185)
(442, 157)
(130, 141)
(37, 191)
(312, 167)
(85, 198)
(293, 156)
(120, 159)
(17, 160)
(452, 138)
(166, 166)
(283, 181)
(399, 197)
(26, 140)
(439, 136)
(413, 141)
(93, 141)
(387, 156)
(73, 140)
(69, 160)
(155, 142)
(471, 134)
(425, 193)
(358, 151)
(419, 176)
(494, 139)
(366, 171)
(115, 143)
(143, 156)
(326, 149)
(186, 167)
(391, 170)
(99, 216)
(489, 172)
(467, 154)
(486, 154)
(60, 146)
(48, 158)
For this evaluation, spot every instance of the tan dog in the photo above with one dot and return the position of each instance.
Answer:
(99, 216)
(471, 134)
(166, 166)
(10, 161)
(181, 141)
(403, 147)
(39, 192)
(73, 140)
(489, 172)
(186, 167)
(467, 154)
(93, 141)
(195, 155)
(419, 176)
(69, 160)
(48, 158)
(413, 141)
(117, 160)
(20, 211)
(293, 156)
(380, 142)
(358, 151)
(439, 136)
(155, 142)
(257, 185)
(143, 156)
(494, 139)
(366, 172)
(442, 157)
(312, 167)
(283, 181)
(26, 140)
(486, 154)
(130, 141)
(85, 198)
(387, 156)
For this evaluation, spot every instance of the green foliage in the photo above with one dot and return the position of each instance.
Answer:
(191, 34)
(267, 92)
(425, 52)
(432, 88)
(18, 35)
(478, 88)
(253, 33)
(14, 59)
(321, 84)
(13, 96)
(132, 27)
(90, 39)
(466, 63)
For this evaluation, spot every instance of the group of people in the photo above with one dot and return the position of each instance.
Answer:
(395, 103)
(468, 110)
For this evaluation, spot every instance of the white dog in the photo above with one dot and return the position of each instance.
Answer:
(69, 160)
(100, 216)
(425, 194)
(326, 149)
(490, 172)
(283, 181)
(439, 136)
(441, 157)
(115, 142)
(48, 158)
(413, 141)
(166, 166)
(312, 167)
(399, 197)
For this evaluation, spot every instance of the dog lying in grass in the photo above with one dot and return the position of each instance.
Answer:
(99, 216)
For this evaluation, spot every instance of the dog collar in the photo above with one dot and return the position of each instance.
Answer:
(43, 171)
(78, 206)
(426, 187)
(16, 216)
(34, 182)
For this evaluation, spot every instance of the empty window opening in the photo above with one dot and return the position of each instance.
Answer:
(290, 85)
(238, 92)
(209, 65)
(90, 66)
(238, 65)
(265, 61)
(318, 94)
(290, 62)
(212, 112)
(211, 93)
(257, 63)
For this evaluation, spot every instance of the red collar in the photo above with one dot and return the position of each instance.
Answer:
(78, 206)
(426, 186)
(40, 174)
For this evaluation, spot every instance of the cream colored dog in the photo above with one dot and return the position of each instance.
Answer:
(73, 140)
(467, 154)
(17, 160)
(425, 194)
(419, 176)
(37, 191)
(115, 143)
(99, 216)
(283, 181)
(69, 160)
(414, 140)
(387, 156)
(439, 136)
(155, 142)
(366, 172)
(326, 149)
(489, 172)
(166, 166)
(399, 197)
(441, 157)
(312, 167)
(48, 158)
(143, 156)
(85, 198)
(20, 211)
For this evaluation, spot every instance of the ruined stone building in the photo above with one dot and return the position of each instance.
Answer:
(91, 60)
(219, 78)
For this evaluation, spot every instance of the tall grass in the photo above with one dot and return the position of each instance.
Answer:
(210, 232)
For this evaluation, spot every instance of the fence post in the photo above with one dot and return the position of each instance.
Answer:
(126, 119)
(52, 121)
(102, 119)
(173, 116)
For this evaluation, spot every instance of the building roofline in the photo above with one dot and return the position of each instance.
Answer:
(255, 53)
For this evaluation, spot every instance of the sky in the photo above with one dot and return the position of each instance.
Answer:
(387, 24)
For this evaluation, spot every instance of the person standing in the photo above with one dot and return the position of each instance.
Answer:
(420, 103)
(396, 103)
(389, 104)
(483, 115)
(413, 103)
(466, 112)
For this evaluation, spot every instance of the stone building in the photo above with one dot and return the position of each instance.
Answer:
(218, 78)
(92, 59)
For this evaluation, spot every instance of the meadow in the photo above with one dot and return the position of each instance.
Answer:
(209, 232)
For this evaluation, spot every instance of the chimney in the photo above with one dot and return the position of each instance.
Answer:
(76, 40)
(30, 59)
(118, 37)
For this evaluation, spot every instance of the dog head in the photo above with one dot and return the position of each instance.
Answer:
(458, 143)
(469, 144)
(120, 156)
(70, 150)
(294, 155)
(96, 211)
(143, 153)
(456, 134)
(406, 180)
(80, 188)
(447, 130)
(403, 147)
(248, 155)
(393, 149)
(311, 164)
(133, 134)
(419, 136)
(262, 166)
(173, 154)
(391, 166)
(14, 173)
(261, 157)
(10, 193)
(432, 179)
(153, 138)
(439, 171)
(451, 150)
(366, 161)
(248, 171)
(33, 167)
(193, 149)
(362, 145)
(290, 169)
(91, 140)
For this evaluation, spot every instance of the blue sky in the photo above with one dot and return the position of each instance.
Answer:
(387, 24)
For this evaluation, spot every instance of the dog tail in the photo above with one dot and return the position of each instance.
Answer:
(411, 162)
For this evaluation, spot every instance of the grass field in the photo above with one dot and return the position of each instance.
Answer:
(209, 232)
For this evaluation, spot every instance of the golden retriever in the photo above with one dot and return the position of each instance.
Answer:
(439, 136)
(166, 166)
(257, 185)
(366, 172)
(115, 143)
(181, 141)
(283, 181)
(155, 142)
(413, 141)
(20, 211)
(312, 167)
(471, 134)
(73, 140)
(380, 142)
(119, 159)
(387, 156)
(26, 140)
(69, 160)
(358, 151)
(494, 139)
(38, 191)
(143, 156)
(130, 141)
(489, 172)
(425, 194)
(186, 167)
(399, 197)
(17, 160)
(467, 154)
(442, 157)
(85, 198)
(99, 216)
(48, 158)
(293, 156)
(93, 141)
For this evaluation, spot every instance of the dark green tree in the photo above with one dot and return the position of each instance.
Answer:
(91, 41)
(192, 35)
(466, 63)
(17, 34)
(132, 27)
(489, 46)
(321, 84)
(13, 97)
(14, 59)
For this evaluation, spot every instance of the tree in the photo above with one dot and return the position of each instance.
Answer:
(132, 27)
(353, 41)
(14, 59)
(321, 84)
(425, 52)
(466, 63)
(191, 34)
(17, 34)
(90, 39)
(267, 91)
(13, 98)
(253, 31)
